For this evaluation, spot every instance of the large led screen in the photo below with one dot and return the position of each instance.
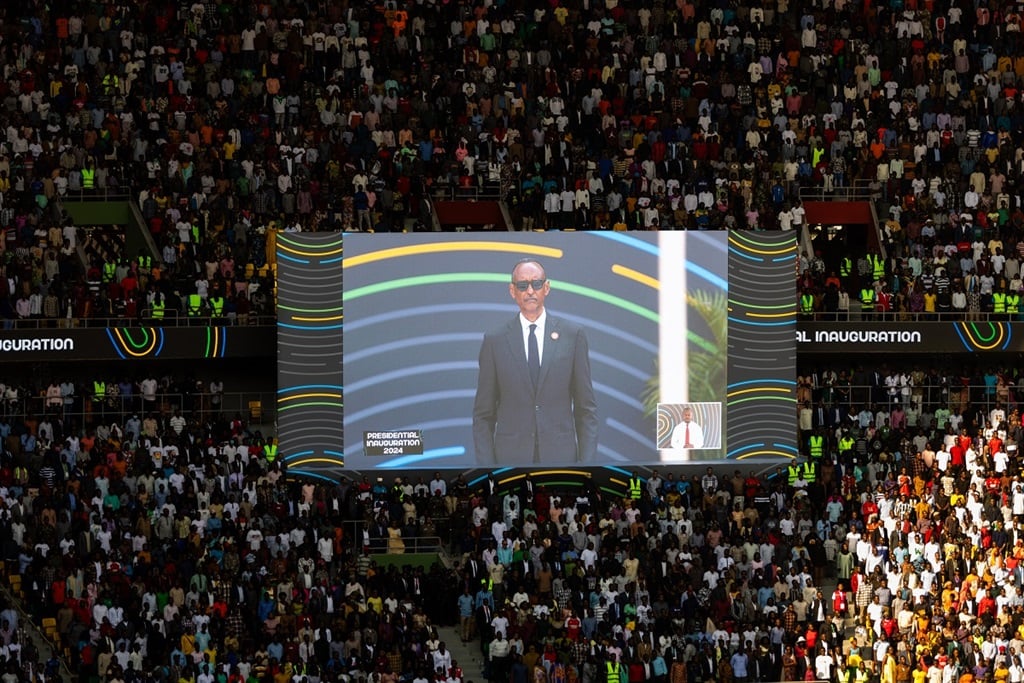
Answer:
(442, 368)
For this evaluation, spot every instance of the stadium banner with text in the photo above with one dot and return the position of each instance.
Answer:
(434, 344)
(930, 337)
(136, 343)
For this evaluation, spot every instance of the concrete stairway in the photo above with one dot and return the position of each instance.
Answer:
(466, 654)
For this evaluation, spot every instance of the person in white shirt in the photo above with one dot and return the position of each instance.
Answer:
(688, 434)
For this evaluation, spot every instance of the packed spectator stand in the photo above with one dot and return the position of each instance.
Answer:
(184, 555)
(230, 123)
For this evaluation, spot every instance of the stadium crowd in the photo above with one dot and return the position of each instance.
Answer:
(180, 552)
(926, 274)
(229, 122)
(177, 550)
(186, 554)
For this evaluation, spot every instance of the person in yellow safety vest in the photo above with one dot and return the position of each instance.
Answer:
(88, 178)
(807, 303)
(846, 443)
(635, 487)
(877, 266)
(615, 671)
(145, 262)
(1012, 303)
(845, 266)
(158, 307)
(816, 446)
(109, 271)
(999, 301)
(792, 473)
(270, 451)
(867, 301)
(99, 395)
(810, 471)
(216, 305)
(195, 305)
(110, 84)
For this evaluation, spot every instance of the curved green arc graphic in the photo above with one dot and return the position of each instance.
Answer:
(127, 334)
(993, 329)
(450, 278)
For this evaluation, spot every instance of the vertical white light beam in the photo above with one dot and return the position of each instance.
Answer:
(673, 345)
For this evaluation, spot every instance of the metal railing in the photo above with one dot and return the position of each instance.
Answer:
(412, 544)
(255, 407)
(856, 315)
(99, 194)
(488, 192)
(860, 191)
(172, 318)
(951, 394)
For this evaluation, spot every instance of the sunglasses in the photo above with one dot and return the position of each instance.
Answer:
(523, 285)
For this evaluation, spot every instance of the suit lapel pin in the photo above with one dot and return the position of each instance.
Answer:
(554, 335)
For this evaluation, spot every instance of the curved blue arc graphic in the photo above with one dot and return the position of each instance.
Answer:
(432, 310)
(620, 396)
(765, 383)
(434, 454)
(451, 337)
(644, 441)
(707, 240)
(626, 368)
(293, 259)
(300, 472)
(746, 447)
(113, 343)
(743, 254)
(435, 310)
(613, 455)
(403, 373)
(406, 401)
(647, 247)
(779, 323)
(408, 342)
(299, 454)
(303, 387)
(629, 241)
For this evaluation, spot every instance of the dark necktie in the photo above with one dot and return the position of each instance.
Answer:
(533, 356)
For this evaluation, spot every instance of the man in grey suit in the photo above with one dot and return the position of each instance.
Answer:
(534, 398)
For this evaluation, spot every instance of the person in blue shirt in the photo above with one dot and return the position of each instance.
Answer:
(484, 595)
(466, 607)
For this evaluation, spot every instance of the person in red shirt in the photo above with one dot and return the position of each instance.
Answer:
(839, 605)
(869, 509)
(573, 627)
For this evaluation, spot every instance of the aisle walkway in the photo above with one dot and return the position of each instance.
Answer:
(466, 654)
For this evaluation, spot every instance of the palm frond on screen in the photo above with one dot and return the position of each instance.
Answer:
(708, 369)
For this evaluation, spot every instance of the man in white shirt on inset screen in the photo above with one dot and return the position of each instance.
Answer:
(688, 434)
